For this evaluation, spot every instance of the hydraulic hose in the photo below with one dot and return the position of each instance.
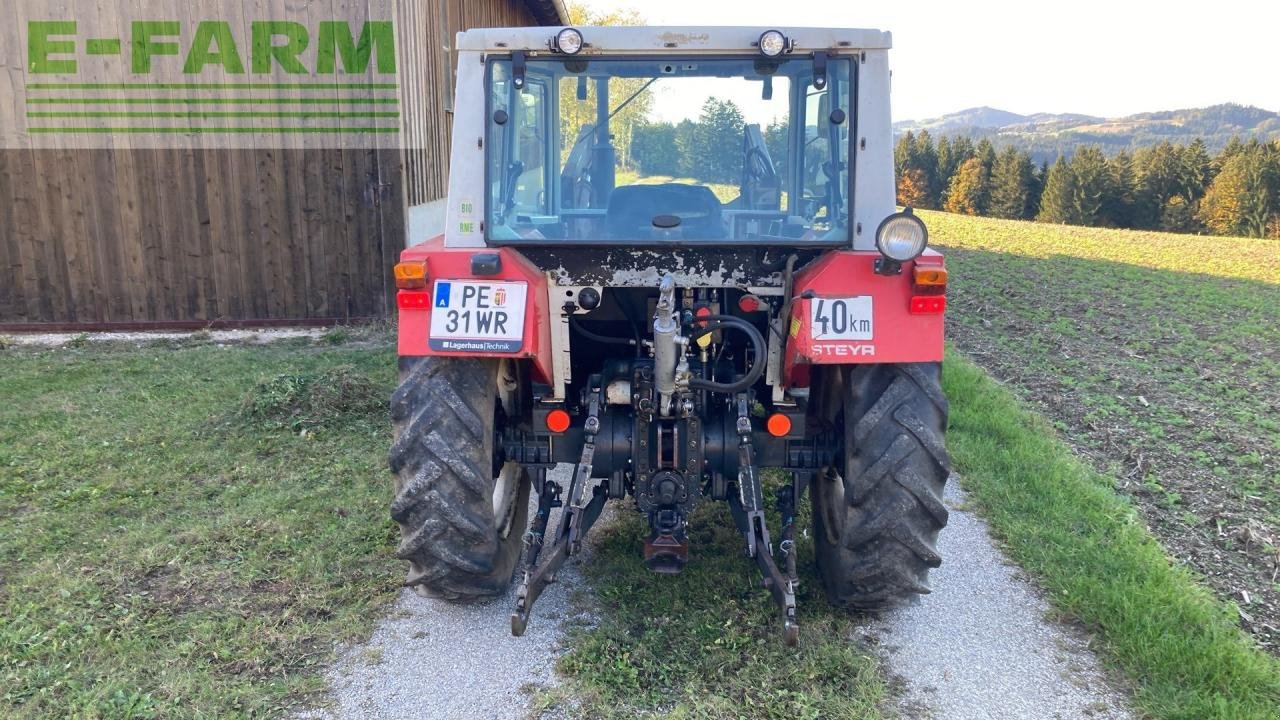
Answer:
(577, 327)
(723, 322)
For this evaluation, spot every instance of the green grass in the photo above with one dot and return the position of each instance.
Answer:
(1157, 357)
(1225, 257)
(1088, 548)
(723, 191)
(707, 643)
(188, 530)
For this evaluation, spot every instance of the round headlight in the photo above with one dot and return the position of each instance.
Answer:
(772, 43)
(902, 237)
(569, 41)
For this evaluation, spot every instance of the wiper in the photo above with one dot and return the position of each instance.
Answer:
(585, 133)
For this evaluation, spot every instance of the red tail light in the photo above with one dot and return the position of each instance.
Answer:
(928, 304)
(410, 300)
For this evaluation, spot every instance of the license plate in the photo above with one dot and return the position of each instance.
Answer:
(840, 318)
(474, 316)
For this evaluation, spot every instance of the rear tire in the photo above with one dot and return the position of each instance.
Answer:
(462, 514)
(877, 517)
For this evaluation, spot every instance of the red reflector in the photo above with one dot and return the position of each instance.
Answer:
(778, 425)
(749, 303)
(928, 304)
(408, 300)
(557, 421)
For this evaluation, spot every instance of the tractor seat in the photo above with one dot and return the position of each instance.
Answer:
(632, 209)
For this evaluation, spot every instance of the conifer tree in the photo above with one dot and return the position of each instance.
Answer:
(1037, 189)
(1011, 184)
(945, 166)
(1244, 198)
(1119, 200)
(1196, 170)
(904, 152)
(968, 191)
(1056, 202)
(986, 152)
(959, 150)
(1093, 186)
(926, 159)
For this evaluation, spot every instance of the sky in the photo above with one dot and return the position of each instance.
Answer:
(1110, 58)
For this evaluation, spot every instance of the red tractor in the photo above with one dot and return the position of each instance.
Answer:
(671, 260)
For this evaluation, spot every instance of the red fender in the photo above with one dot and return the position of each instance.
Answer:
(898, 333)
(415, 306)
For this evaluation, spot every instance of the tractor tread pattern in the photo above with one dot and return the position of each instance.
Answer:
(443, 412)
(893, 487)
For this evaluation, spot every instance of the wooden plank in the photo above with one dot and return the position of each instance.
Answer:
(80, 200)
(105, 237)
(354, 174)
(56, 254)
(315, 233)
(222, 256)
(26, 211)
(107, 214)
(152, 282)
(200, 260)
(12, 302)
(133, 269)
(392, 226)
(285, 196)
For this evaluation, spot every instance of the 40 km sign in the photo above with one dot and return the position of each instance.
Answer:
(236, 73)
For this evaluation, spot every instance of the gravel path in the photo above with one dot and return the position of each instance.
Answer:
(218, 336)
(980, 647)
(433, 659)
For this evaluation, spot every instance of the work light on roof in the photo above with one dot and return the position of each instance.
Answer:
(568, 41)
(772, 43)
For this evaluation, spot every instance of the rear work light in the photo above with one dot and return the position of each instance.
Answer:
(411, 275)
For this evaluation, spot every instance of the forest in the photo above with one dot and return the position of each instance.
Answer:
(1165, 186)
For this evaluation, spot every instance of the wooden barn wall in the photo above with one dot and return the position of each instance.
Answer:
(129, 237)
(427, 76)
(101, 237)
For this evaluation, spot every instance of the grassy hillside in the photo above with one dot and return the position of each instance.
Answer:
(1158, 357)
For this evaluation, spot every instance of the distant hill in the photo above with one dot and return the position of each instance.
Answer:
(1046, 135)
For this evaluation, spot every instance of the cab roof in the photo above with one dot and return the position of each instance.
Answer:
(672, 40)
